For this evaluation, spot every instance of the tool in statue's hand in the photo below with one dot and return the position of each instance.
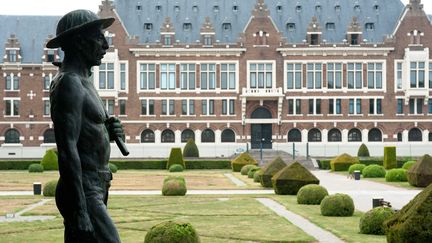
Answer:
(119, 141)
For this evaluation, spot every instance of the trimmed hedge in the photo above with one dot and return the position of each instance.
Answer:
(407, 165)
(112, 167)
(49, 188)
(172, 232)
(311, 194)
(257, 176)
(343, 162)
(190, 150)
(175, 157)
(363, 151)
(389, 160)
(270, 170)
(252, 171)
(35, 168)
(420, 174)
(290, 179)
(354, 167)
(324, 164)
(162, 164)
(176, 168)
(242, 160)
(339, 204)
(372, 222)
(374, 171)
(394, 175)
(17, 164)
(50, 160)
(174, 186)
(245, 169)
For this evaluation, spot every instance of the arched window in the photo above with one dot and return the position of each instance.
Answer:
(399, 137)
(314, 135)
(207, 136)
(375, 135)
(49, 136)
(228, 136)
(147, 136)
(12, 136)
(294, 135)
(334, 135)
(430, 137)
(167, 136)
(354, 135)
(415, 135)
(262, 113)
(186, 134)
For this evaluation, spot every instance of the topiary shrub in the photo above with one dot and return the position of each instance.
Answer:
(390, 161)
(49, 188)
(413, 223)
(35, 168)
(374, 171)
(175, 157)
(176, 168)
(354, 167)
(172, 232)
(245, 169)
(407, 165)
(242, 160)
(311, 194)
(372, 222)
(420, 174)
(270, 170)
(339, 204)
(174, 186)
(395, 175)
(290, 179)
(257, 176)
(50, 160)
(343, 162)
(190, 150)
(363, 151)
(252, 171)
(112, 167)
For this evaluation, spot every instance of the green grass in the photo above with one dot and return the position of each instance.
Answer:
(346, 228)
(402, 184)
(235, 219)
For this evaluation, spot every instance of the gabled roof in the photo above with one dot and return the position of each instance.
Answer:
(31, 31)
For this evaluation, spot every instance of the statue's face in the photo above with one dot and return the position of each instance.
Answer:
(95, 46)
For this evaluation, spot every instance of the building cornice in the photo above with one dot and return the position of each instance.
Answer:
(157, 52)
(334, 51)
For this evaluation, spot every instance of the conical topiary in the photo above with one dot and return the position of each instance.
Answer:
(420, 174)
(343, 162)
(190, 150)
(50, 160)
(242, 160)
(363, 151)
(176, 157)
(270, 170)
(413, 223)
(290, 179)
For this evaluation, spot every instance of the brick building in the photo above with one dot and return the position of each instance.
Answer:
(331, 74)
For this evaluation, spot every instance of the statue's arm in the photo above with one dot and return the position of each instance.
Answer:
(67, 117)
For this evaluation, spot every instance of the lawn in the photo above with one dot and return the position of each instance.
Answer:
(402, 184)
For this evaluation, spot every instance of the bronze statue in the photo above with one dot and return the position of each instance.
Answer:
(83, 130)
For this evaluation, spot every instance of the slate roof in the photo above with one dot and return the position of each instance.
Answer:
(382, 14)
(31, 31)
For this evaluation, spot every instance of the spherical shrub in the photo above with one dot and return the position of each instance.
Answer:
(172, 232)
(50, 160)
(176, 168)
(372, 222)
(174, 186)
(374, 171)
(49, 188)
(396, 175)
(252, 171)
(35, 168)
(257, 176)
(407, 165)
(354, 167)
(245, 169)
(112, 167)
(337, 205)
(311, 194)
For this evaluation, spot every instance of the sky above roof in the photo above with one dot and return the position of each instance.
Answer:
(61, 7)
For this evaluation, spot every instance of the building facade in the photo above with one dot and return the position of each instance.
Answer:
(323, 75)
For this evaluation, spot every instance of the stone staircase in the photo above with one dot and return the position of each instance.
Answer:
(269, 155)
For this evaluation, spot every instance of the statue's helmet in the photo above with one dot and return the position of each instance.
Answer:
(75, 22)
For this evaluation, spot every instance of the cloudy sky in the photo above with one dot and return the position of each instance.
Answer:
(60, 7)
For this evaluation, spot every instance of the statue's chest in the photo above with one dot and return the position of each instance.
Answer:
(93, 107)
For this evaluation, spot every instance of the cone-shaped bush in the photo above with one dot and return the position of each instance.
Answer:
(270, 170)
(190, 150)
(390, 161)
(372, 222)
(257, 176)
(290, 179)
(176, 157)
(413, 223)
(174, 186)
(420, 174)
(172, 232)
(363, 151)
(311, 194)
(49, 188)
(339, 204)
(242, 160)
(343, 162)
(50, 160)
(252, 171)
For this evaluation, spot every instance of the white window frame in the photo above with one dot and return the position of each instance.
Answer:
(228, 72)
(12, 106)
(357, 106)
(335, 107)
(257, 62)
(169, 73)
(315, 106)
(46, 104)
(296, 112)
(12, 77)
(147, 107)
(146, 73)
(187, 72)
(416, 103)
(417, 70)
(107, 71)
(355, 72)
(189, 111)
(230, 109)
(207, 110)
(314, 74)
(398, 74)
(295, 74)
(375, 107)
(126, 76)
(373, 73)
(50, 78)
(334, 73)
(106, 104)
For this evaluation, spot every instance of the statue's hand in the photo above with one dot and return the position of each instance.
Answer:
(84, 227)
(114, 127)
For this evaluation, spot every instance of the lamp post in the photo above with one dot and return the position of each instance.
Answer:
(261, 151)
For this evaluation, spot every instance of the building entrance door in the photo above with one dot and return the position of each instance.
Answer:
(261, 133)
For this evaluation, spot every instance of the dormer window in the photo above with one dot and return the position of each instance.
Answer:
(330, 26)
(187, 27)
(318, 8)
(138, 7)
(314, 39)
(376, 7)
(50, 56)
(12, 57)
(158, 8)
(291, 26)
(176, 9)
(167, 40)
(357, 8)
(370, 26)
(195, 9)
(235, 8)
(226, 26)
(216, 9)
(355, 39)
(337, 8)
(298, 8)
(148, 26)
(208, 40)
(279, 8)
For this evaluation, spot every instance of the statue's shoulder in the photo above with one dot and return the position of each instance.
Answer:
(67, 82)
